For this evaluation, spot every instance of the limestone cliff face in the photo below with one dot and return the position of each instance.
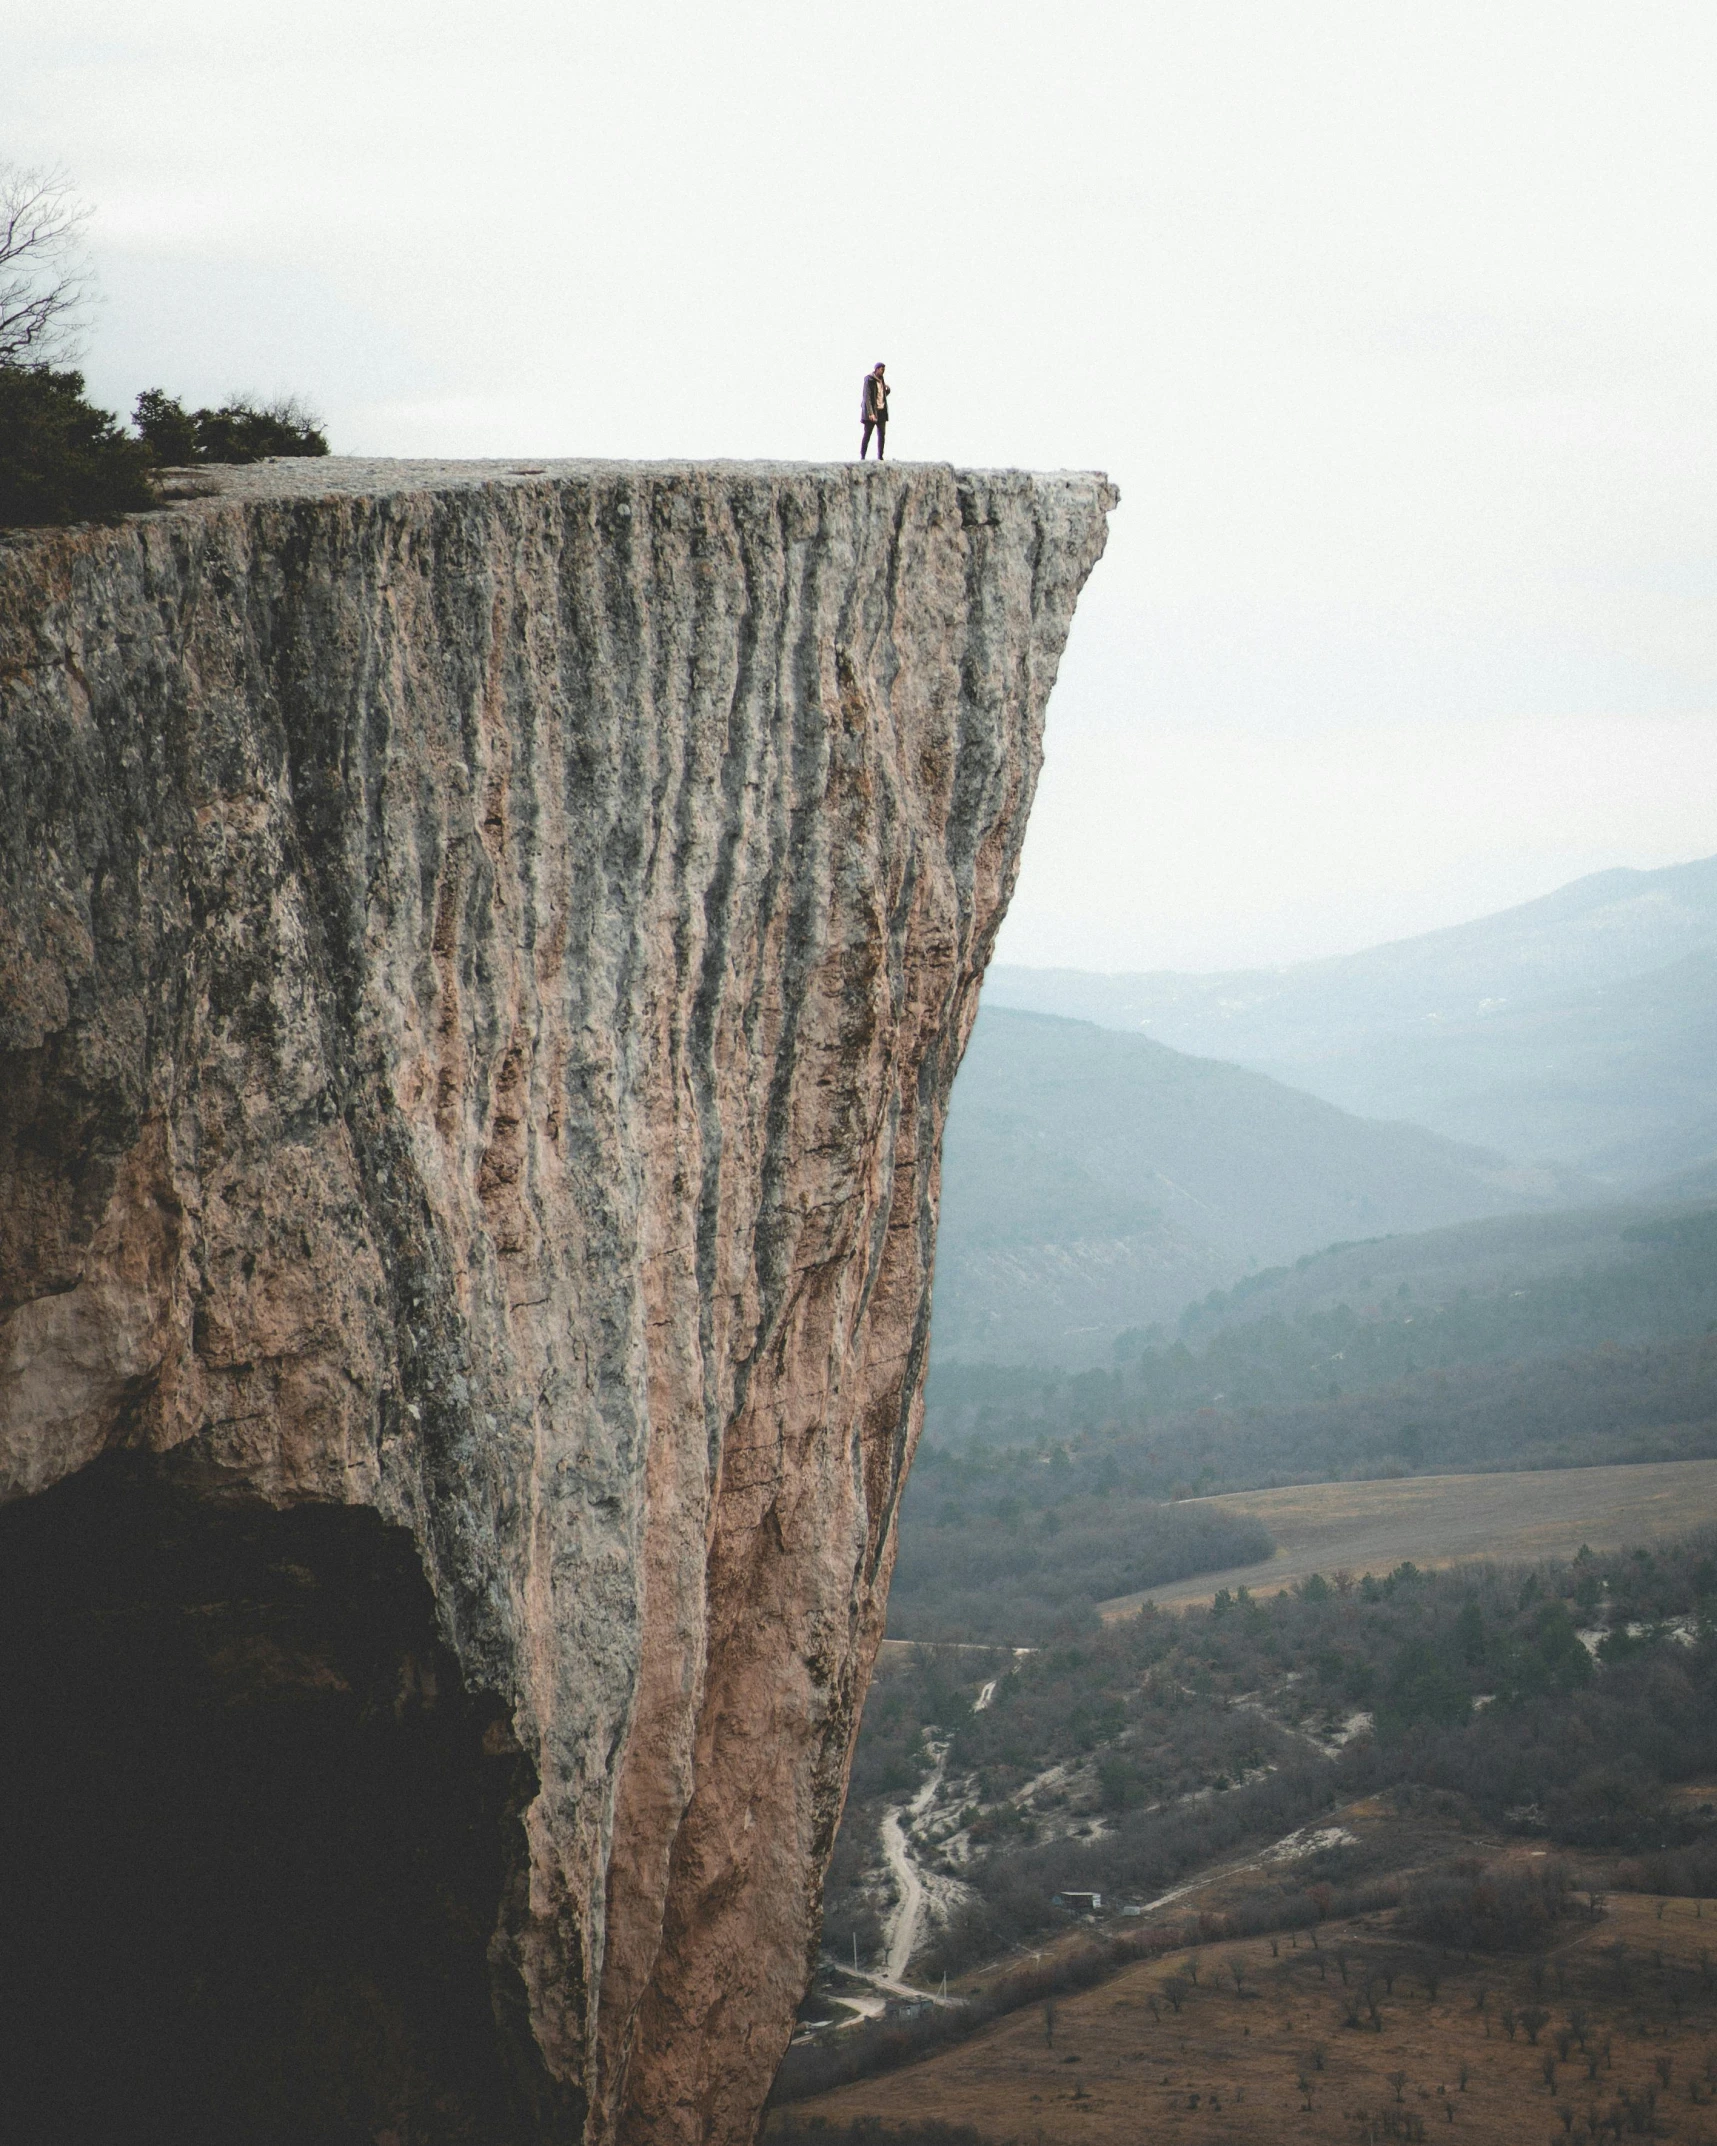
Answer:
(483, 957)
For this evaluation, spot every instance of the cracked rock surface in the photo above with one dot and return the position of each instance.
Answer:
(484, 951)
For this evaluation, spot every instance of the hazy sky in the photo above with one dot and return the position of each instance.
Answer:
(1397, 325)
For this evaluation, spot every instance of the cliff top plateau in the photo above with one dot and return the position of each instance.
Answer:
(367, 476)
(484, 951)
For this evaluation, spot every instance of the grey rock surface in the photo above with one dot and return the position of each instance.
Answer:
(484, 950)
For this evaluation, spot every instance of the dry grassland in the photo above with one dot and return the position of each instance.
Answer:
(1274, 2058)
(1443, 1519)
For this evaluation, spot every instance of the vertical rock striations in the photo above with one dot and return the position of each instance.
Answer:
(483, 958)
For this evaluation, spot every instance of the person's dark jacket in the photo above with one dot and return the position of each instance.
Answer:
(873, 404)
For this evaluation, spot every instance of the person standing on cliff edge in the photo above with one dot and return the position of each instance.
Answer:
(873, 410)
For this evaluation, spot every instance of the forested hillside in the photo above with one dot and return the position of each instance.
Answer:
(1092, 1181)
(1344, 1366)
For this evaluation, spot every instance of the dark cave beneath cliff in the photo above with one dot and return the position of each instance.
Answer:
(254, 1834)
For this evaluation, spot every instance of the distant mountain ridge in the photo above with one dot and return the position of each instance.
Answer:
(1094, 1181)
(1580, 1027)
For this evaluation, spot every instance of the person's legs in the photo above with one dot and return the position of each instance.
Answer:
(881, 436)
(864, 444)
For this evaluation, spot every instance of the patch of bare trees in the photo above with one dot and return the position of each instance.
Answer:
(44, 286)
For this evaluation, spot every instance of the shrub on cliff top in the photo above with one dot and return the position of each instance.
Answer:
(62, 459)
(239, 431)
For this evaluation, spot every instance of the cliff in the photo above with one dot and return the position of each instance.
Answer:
(484, 951)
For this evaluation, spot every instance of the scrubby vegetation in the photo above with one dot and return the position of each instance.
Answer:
(64, 460)
(239, 431)
(1473, 1906)
(1560, 1701)
(61, 459)
(1476, 1682)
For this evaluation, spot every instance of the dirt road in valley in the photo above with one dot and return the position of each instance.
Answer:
(920, 1894)
(1442, 1519)
(905, 1924)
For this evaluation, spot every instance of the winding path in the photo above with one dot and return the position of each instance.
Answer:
(905, 1923)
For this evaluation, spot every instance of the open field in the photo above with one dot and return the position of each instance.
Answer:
(1290, 2049)
(1442, 1519)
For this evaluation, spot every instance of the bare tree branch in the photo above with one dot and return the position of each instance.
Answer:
(44, 287)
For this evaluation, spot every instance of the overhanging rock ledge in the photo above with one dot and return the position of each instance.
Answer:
(484, 950)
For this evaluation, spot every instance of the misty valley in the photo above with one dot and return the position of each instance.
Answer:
(1178, 1301)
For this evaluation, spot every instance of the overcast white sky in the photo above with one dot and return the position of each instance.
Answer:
(1397, 325)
